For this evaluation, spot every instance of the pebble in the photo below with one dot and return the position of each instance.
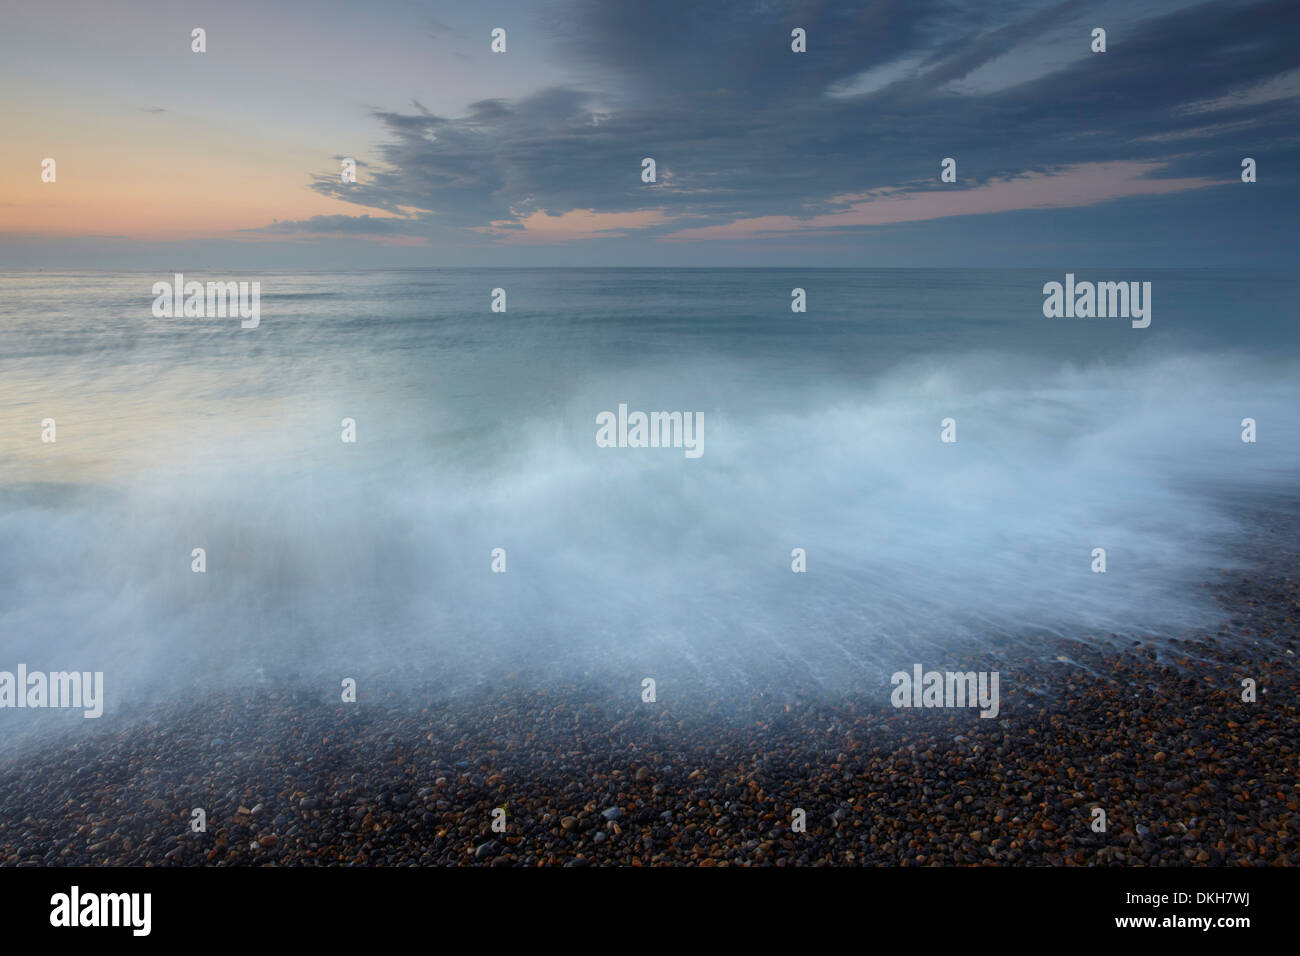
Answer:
(1150, 731)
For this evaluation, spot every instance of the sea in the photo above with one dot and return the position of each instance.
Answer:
(199, 520)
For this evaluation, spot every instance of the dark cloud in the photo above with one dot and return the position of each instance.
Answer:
(740, 126)
(341, 225)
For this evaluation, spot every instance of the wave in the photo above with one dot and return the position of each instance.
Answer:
(367, 559)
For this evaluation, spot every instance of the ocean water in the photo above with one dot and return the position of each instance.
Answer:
(476, 430)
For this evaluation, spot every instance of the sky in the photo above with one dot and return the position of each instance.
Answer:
(168, 158)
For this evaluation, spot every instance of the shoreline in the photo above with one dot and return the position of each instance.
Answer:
(1158, 737)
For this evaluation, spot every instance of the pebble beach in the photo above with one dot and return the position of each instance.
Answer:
(1157, 736)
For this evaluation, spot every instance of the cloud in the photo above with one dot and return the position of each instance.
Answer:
(541, 226)
(342, 226)
(1285, 86)
(750, 137)
(1082, 185)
